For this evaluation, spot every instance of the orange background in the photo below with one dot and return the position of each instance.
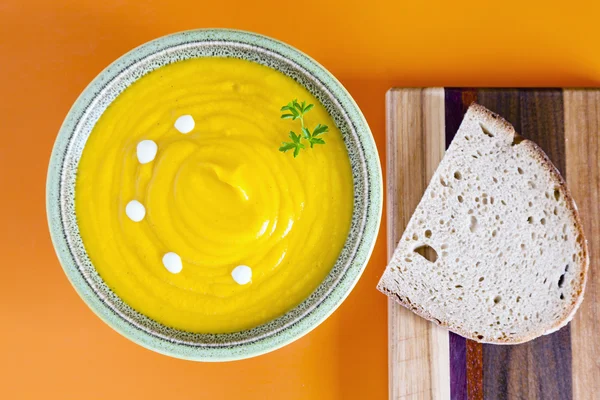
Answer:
(53, 346)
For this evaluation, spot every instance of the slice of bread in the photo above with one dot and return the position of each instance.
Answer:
(495, 250)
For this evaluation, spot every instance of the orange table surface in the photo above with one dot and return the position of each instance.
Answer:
(53, 346)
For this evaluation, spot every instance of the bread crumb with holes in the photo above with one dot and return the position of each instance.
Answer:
(513, 258)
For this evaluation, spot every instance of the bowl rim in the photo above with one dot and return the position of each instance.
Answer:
(92, 299)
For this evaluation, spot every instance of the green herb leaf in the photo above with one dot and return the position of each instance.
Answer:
(306, 133)
(295, 138)
(296, 111)
(285, 146)
(315, 140)
(320, 129)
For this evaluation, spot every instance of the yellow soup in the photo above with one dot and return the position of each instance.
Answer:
(219, 197)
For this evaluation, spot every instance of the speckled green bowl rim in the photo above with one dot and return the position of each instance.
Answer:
(287, 333)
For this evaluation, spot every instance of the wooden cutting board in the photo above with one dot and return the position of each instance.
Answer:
(427, 362)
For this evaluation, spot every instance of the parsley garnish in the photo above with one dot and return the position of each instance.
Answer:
(294, 110)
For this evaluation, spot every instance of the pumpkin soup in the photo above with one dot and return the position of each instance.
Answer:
(190, 212)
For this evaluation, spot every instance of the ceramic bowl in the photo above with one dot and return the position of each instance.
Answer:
(90, 105)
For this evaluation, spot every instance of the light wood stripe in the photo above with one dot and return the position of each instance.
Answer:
(582, 130)
(418, 350)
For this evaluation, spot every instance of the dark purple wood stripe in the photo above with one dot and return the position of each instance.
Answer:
(540, 369)
(465, 355)
(458, 367)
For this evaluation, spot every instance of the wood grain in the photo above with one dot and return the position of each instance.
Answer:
(418, 350)
(540, 369)
(466, 365)
(582, 127)
(474, 365)
(563, 365)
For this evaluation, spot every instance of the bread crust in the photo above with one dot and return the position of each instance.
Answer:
(490, 119)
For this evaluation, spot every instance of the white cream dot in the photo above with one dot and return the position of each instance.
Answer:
(185, 124)
(172, 262)
(135, 211)
(242, 274)
(146, 151)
